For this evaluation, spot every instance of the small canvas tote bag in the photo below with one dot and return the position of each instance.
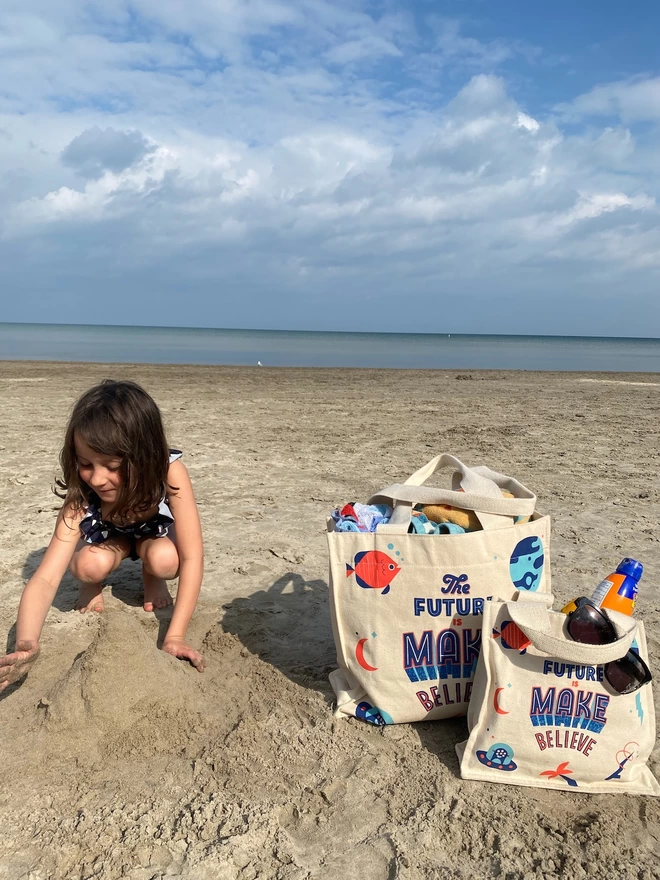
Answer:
(407, 608)
(542, 713)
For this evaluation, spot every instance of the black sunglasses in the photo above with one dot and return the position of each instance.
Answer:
(587, 623)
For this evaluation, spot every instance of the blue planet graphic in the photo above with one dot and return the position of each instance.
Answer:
(526, 564)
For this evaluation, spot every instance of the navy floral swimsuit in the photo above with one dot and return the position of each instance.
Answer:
(95, 530)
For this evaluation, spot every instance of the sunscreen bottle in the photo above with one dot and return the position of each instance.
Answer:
(618, 591)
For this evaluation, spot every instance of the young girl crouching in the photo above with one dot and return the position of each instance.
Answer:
(125, 494)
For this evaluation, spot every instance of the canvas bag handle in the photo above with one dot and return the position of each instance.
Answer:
(533, 616)
(481, 493)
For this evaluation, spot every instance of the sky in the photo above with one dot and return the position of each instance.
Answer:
(469, 166)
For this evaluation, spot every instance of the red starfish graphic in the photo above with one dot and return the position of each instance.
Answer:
(561, 771)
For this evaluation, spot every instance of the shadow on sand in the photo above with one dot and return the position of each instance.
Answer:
(128, 588)
(440, 738)
(288, 625)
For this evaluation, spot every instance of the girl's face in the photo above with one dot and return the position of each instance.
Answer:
(100, 472)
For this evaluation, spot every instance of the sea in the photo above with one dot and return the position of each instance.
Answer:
(301, 348)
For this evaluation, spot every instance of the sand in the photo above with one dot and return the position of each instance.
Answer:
(119, 761)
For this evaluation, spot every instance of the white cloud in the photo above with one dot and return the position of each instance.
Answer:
(631, 101)
(220, 147)
(527, 122)
(358, 50)
(88, 204)
(589, 206)
(468, 50)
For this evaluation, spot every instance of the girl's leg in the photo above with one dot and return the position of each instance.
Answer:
(91, 565)
(160, 563)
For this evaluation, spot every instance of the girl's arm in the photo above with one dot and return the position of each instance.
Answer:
(38, 596)
(191, 563)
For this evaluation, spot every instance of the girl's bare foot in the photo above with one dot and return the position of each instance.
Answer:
(90, 598)
(156, 594)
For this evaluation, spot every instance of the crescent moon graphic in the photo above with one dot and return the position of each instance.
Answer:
(359, 656)
(496, 704)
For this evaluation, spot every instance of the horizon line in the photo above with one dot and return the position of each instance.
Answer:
(335, 332)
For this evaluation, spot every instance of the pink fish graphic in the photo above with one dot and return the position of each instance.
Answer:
(374, 570)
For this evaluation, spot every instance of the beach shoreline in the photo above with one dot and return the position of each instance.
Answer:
(121, 762)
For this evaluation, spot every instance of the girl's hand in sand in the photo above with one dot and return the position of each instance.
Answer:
(14, 666)
(177, 647)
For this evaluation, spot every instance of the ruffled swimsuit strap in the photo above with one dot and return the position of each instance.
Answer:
(163, 506)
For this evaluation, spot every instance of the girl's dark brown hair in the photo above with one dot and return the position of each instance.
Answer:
(117, 419)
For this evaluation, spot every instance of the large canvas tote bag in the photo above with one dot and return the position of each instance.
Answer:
(407, 608)
(542, 713)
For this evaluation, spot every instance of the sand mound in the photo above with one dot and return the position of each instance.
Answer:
(117, 679)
